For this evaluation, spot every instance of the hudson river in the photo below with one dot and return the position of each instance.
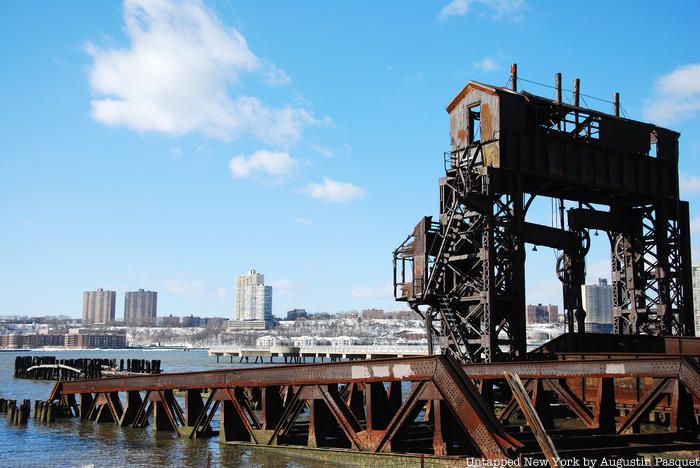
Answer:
(79, 443)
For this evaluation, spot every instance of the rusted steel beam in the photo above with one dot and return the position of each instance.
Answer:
(612, 368)
(471, 410)
(144, 411)
(682, 410)
(242, 415)
(351, 408)
(577, 406)
(291, 411)
(163, 414)
(202, 421)
(649, 401)
(532, 417)
(342, 414)
(380, 370)
(400, 418)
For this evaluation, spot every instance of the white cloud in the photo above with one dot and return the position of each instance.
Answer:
(275, 163)
(179, 74)
(323, 151)
(334, 191)
(221, 293)
(276, 76)
(185, 287)
(689, 184)
(486, 65)
(384, 291)
(497, 8)
(676, 96)
(176, 151)
(303, 221)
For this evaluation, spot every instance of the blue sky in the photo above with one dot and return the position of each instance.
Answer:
(174, 145)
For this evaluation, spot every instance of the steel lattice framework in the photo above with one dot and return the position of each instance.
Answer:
(465, 272)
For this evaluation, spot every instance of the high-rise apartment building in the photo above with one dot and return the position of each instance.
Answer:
(696, 299)
(140, 307)
(99, 306)
(597, 302)
(253, 298)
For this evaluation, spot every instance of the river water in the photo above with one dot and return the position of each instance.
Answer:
(73, 442)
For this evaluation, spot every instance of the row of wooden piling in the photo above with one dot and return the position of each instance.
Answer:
(90, 368)
(45, 411)
(15, 414)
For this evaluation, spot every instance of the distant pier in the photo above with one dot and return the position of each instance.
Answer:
(300, 354)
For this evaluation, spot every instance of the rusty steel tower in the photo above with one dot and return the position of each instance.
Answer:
(464, 272)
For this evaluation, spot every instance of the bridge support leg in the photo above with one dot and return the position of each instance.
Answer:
(355, 400)
(319, 421)
(605, 407)
(682, 411)
(166, 411)
(377, 403)
(542, 402)
(86, 402)
(232, 426)
(395, 397)
(272, 406)
(133, 403)
(440, 415)
(193, 406)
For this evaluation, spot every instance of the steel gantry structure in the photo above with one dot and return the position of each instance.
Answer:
(465, 271)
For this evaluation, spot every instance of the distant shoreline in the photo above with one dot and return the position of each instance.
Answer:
(143, 348)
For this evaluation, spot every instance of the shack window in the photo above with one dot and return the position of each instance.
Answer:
(475, 123)
(653, 149)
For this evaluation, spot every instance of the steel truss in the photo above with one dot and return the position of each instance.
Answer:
(413, 406)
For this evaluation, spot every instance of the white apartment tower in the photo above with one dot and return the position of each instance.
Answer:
(696, 299)
(597, 302)
(253, 298)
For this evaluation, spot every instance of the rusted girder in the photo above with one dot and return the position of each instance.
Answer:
(411, 405)
(377, 370)
(288, 390)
